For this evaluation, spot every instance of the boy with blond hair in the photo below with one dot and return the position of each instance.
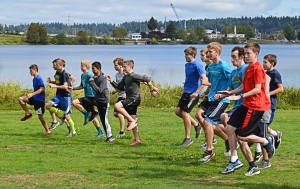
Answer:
(63, 96)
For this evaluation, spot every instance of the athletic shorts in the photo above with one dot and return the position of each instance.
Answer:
(87, 103)
(131, 105)
(186, 103)
(263, 126)
(39, 106)
(203, 105)
(247, 121)
(118, 100)
(271, 116)
(63, 102)
(230, 112)
(213, 112)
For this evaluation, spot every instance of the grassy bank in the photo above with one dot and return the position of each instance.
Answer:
(12, 40)
(30, 160)
(167, 98)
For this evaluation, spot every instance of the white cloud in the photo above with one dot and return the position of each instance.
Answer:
(119, 11)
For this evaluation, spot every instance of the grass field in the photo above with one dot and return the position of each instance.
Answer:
(30, 160)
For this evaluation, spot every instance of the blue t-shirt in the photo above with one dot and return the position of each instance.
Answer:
(275, 79)
(237, 76)
(37, 84)
(85, 83)
(219, 77)
(193, 71)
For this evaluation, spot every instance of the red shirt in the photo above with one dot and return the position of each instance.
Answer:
(255, 74)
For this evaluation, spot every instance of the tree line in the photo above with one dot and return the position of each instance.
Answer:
(268, 27)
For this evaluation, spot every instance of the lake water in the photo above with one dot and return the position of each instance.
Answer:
(164, 63)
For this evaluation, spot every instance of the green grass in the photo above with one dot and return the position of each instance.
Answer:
(12, 40)
(30, 160)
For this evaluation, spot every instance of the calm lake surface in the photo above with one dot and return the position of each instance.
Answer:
(164, 63)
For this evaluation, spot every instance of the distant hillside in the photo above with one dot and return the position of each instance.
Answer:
(261, 24)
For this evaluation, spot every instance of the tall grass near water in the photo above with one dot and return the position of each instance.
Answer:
(167, 98)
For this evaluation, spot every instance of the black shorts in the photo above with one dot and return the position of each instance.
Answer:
(39, 106)
(213, 112)
(247, 121)
(203, 105)
(87, 103)
(131, 105)
(186, 103)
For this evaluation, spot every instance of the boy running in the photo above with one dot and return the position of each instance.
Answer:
(128, 107)
(35, 98)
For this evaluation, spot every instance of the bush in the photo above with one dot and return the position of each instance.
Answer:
(167, 98)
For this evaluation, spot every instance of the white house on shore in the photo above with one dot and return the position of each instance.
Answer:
(135, 36)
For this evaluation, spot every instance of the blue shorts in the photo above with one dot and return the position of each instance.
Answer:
(64, 103)
(213, 112)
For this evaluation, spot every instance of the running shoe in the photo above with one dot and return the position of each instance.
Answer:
(270, 146)
(278, 139)
(257, 156)
(206, 157)
(198, 130)
(232, 166)
(135, 142)
(110, 139)
(264, 164)
(252, 171)
(186, 142)
(93, 116)
(26, 116)
(131, 125)
(54, 125)
(70, 135)
(121, 134)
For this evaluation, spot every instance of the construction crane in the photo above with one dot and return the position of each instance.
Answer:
(178, 17)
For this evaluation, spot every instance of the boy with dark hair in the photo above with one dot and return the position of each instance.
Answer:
(194, 80)
(35, 98)
(101, 100)
(128, 107)
(269, 63)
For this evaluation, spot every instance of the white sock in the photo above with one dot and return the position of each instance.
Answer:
(265, 142)
(273, 133)
(258, 147)
(233, 158)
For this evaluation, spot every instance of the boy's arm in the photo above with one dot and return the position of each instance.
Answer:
(204, 82)
(41, 89)
(279, 89)
(97, 88)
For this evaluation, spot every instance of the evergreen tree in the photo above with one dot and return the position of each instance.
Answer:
(171, 30)
(289, 32)
(152, 24)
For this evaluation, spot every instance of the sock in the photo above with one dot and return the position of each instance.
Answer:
(234, 158)
(258, 147)
(72, 127)
(265, 142)
(252, 164)
(58, 112)
(273, 133)
(69, 129)
(99, 130)
(227, 145)
(85, 112)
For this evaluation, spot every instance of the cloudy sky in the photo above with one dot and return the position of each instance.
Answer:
(14, 12)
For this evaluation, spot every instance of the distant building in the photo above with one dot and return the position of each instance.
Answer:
(135, 36)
